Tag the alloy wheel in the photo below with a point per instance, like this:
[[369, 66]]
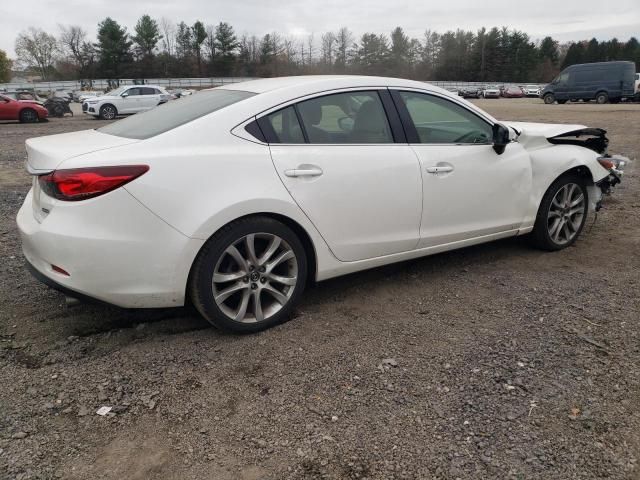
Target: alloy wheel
[[108, 113], [255, 277], [566, 213]]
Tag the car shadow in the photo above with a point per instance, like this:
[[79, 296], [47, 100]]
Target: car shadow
[[86, 319]]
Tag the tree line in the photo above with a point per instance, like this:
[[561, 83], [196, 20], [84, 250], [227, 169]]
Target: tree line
[[167, 49]]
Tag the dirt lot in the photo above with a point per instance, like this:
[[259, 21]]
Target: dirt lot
[[497, 361]]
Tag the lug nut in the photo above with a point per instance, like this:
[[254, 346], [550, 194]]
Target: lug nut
[[263, 280], [262, 269], [245, 279], [254, 286], [251, 268]]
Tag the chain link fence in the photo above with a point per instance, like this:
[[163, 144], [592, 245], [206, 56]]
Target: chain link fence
[[106, 84]]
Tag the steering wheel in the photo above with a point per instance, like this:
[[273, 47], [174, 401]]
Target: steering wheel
[[473, 134]]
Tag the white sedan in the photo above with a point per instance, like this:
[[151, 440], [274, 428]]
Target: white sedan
[[235, 198]]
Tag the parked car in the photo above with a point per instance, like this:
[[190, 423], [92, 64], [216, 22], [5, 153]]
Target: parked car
[[218, 199], [512, 92], [57, 107], [470, 92], [602, 81], [531, 91], [25, 95], [125, 101], [25, 111], [82, 95], [491, 92], [61, 93]]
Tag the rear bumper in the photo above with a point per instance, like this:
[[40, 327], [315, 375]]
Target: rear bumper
[[115, 250]]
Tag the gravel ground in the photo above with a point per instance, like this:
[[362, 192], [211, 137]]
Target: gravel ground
[[496, 361]]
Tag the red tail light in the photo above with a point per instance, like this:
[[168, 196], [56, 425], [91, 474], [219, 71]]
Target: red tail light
[[82, 183]]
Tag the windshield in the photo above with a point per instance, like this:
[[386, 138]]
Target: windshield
[[173, 114], [117, 91]]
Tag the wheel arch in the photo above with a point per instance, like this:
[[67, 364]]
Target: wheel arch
[[307, 243], [26, 108], [108, 104], [581, 171]]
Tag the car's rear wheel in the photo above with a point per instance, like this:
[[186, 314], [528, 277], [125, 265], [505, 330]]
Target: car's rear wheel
[[108, 112], [549, 98], [28, 115], [602, 98], [249, 275], [562, 214]]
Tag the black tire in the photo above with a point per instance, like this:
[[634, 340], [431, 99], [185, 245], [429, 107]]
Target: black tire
[[561, 102], [541, 236], [108, 112], [602, 98], [28, 115], [201, 283], [58, 111], [549, 98]]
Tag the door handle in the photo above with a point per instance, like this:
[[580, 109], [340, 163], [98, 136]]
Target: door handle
[[441, 169], [303, 172]]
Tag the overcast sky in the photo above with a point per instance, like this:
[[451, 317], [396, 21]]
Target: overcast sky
[[563, 20]]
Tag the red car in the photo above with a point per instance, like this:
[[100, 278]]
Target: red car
[[23, 110], [512, 92]]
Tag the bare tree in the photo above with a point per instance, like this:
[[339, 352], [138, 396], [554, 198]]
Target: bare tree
[[310, 48], [210, 43], [71, 39], [36, 48], [327, 46], [168, 29], [344, 47]]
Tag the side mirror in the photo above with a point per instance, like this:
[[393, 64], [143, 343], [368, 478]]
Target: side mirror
[[125, 95], [500, 138]]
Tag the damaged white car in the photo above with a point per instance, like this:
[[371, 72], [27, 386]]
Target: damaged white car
[[235, 198]]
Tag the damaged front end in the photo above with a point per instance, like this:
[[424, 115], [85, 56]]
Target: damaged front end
[[615, 165], [592, 138], [595, 139]]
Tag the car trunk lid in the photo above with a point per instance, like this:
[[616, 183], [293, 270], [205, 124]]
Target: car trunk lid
[[45, 154]]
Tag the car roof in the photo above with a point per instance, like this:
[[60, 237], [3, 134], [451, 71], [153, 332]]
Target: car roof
[[273, 92], [317, 83]]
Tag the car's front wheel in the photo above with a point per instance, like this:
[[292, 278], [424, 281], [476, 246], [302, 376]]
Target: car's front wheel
[[562, 214], [549, 98], [108, 112], [28, 115], [249, 275], [602, 98]]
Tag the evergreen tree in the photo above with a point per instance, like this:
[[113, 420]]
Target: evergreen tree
[[113, 47], [226, 45], [575, 54], [199, 35], [147, 35]]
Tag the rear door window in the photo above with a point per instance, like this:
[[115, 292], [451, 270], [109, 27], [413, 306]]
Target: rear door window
[[345, 118]]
